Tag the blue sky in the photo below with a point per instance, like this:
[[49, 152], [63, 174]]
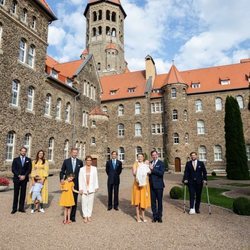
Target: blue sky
[[193, 33]]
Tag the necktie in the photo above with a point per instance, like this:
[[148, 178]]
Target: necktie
[[22, 159], [194, 165], [114, 163], [74, 164]]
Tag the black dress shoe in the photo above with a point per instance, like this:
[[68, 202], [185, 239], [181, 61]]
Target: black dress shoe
[[109, 208], [160, 220], [13, 211], [197, 211], [116, 208], [154, 220], [22, 211]]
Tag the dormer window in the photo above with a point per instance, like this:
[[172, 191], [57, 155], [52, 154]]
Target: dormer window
[[156, 91], [131, 90], [113, 92], [195, 85], [54, 73], [225, 81], [69, 82], [248, 78]]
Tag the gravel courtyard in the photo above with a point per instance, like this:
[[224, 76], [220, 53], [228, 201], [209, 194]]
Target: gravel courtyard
[[118, 229]]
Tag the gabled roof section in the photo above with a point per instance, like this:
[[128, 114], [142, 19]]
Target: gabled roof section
[[97, 111], [174, 76], [121, 83], [47, 9]]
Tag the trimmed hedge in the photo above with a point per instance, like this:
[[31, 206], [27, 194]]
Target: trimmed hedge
[[241, 206], [176, 192], [213, 173]]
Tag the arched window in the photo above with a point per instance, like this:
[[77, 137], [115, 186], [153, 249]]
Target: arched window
[[31, 56], [93, 141], [200, 127], [153, 129], [185, 114], [84, 150], [121, 130], [137, 108], [15, 93], [33, 24], [186, 138], [121, 154], [27, 143], [88, 89], [94, 32], [202, 152], [10, 145], [22, 50], [1, 34], [248, 151], [175, 115], [94, 16], [217, 153], [51, 149], [138, 150], [105, 109], [58, 108], [85, 87], [67, 112], [108, 154], [14, 7], [66, 149], [30, 102], [173, 93], [218, 104], [198, 105], [2, 2], [23, 16], [113, 32], [100, 15], [240, 101], [48, 104], [108, 15], [138, 129], [113, 17], [176, 139], [120, 110], [93, 123], [108, 32], [99, 30]]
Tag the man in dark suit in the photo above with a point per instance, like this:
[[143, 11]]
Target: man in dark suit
[[195, 175], [21, 168], [72, 165], [156, 186], [113, 170]]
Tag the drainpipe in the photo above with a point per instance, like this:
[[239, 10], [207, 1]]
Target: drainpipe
[[74, 119]]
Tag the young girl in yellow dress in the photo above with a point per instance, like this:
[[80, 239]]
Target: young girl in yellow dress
[[67, 198]]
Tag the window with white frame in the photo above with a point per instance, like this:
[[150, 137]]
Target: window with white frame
[[84, 150], [217, 153], [1, 34], [66, 149], [156, 107], [31, 56], [157, 129], [202, 152], [185, 114], [138, 150], [200, 127], [33, 23], [67, 112], [176, 138], [240, 101], [198, 105], [138, 129], [85, 119], [105, 109], [218, 104], [48, 104], [58, 108], [108, 154], [91, 91], [94, 93], [186, 138], [248, 151], [93, 141], [137, 108], [93, 124], [14, 7], [22, 50], [173, 93], [224, 81], [85, 87], [80, 150], [51, 149], [24, 15], [121, 154], [175, 115], [77, 145], [54, 73], [30, 102], [160, 152], [27, 143], [121, 130], [10, 145], [15, 93], [120, 110], [88, 90]]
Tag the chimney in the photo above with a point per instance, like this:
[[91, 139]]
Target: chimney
[[150, 68]]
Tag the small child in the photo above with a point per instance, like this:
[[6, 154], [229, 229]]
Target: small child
[[67, 197], [36, 194], [142, 173]]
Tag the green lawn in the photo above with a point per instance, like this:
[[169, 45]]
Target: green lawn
[[211, 178]]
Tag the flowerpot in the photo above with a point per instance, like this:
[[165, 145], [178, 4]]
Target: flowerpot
[[3, 188]]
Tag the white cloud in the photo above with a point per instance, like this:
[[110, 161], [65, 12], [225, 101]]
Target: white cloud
[[56, 36]]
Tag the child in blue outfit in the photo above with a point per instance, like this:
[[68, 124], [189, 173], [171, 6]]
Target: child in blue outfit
[[36, 194]]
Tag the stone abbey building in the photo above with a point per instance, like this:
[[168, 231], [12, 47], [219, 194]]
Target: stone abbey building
[[98, 105]]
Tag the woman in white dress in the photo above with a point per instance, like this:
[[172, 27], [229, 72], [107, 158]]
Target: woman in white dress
[[88, 185]]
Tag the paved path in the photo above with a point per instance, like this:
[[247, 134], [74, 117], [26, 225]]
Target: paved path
[[119, 230]]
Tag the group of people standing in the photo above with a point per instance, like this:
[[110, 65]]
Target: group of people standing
[[78, 178]]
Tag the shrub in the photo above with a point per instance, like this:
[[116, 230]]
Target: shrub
[[213, 173], [241, 206], [4, 181], [175, 192]]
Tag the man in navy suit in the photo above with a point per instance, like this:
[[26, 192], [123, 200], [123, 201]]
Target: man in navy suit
[[113, 170], [21, 168], [195, 175], [72, 165], [156, 186]]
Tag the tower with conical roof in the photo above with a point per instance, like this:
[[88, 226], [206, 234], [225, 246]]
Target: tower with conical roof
[[105, 35]]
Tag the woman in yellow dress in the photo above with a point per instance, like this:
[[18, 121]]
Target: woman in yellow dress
[[141, 189], [40, 167]]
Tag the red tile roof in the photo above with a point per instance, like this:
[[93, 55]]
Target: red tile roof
[[121, 83], [47, 8], [97, 111], [111, 46], [174, 76], [114, 1]]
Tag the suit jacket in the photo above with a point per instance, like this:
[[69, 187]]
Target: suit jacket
[[197, 175], [156, 177], [113, 174], [18, 169], [67, 169], [93, 180]]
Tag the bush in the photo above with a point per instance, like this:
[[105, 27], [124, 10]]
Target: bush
[[213, 173], [241, 206], [175, 192], [4, 181]]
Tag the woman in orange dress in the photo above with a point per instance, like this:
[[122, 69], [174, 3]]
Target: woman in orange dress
[[141, 190]]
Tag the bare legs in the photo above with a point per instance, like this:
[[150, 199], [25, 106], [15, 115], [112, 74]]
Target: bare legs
[[138, 210], [67, 211]]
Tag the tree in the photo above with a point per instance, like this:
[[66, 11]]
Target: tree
[[237, 168]]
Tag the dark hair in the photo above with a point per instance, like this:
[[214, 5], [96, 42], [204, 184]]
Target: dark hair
[[141, 154], [153, 151], [88, 157], [36, 178], [70, 175], [72, 149], [113, 152], [37, 157], [23, 148], [193, 153]]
